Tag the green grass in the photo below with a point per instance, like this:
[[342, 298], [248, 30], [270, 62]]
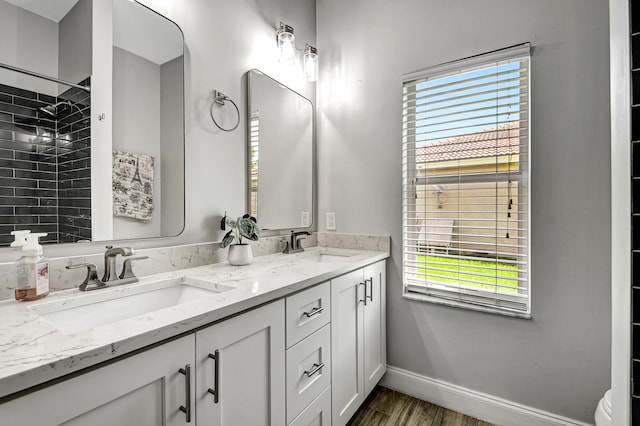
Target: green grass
[[456, 269]]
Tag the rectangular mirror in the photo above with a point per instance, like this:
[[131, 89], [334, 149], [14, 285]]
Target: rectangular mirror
[[48, 175], [281, 154]]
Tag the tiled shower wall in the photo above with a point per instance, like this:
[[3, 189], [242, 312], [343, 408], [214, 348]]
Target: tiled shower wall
[[39, 153]]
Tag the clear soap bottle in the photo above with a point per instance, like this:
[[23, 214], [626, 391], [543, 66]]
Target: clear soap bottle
[[32, 271]]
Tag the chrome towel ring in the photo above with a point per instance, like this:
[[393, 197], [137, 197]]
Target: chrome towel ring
[[220, 98]]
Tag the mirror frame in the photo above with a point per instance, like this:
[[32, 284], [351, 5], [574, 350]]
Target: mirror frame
[[312, 224]]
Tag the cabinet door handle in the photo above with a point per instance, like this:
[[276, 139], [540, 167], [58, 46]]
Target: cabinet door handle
[[370, 280], [313, 312], [187, 391], [215, 391], [315, 368], [365, 293]]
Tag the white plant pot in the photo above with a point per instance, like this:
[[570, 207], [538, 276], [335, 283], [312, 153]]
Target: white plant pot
[[240, 254]]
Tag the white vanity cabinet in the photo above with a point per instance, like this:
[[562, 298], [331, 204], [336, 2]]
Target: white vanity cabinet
[[240, 367], [170, 383], [149, 388], [358, 338]]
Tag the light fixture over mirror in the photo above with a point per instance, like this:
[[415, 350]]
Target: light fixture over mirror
[[287, 52], [286, 44]]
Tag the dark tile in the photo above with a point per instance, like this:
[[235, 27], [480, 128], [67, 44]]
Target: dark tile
[[6, 210], [635, 232], [34, 174], [635, 16], [6, 172], [635, 197], [47, 184], [16, 91], [32, 192], [48, 202], [18, 201], [19, 219], [6, 99], [16, 164], [18, 183], [48, 228], [17, 110], [35, 210], [29, 103], [635, 344], [48, 99], [635, 374], [7, 192]]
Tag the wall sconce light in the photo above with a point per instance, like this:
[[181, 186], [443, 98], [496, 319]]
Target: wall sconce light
[[286, 44], [310, 62], [287, 49]]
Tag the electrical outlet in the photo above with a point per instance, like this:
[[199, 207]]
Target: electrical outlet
[[305, 219], [331, 221]]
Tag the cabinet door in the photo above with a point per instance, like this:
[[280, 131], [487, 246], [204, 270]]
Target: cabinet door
[[347, 339], [249, 378], [375, 337], [144, 389]]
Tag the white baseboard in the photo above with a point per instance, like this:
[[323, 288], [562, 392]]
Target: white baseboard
[[475, 404]]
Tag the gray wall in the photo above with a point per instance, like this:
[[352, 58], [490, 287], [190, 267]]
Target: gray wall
[[28, 41], [74, 35], [559, 360], [172, 146]]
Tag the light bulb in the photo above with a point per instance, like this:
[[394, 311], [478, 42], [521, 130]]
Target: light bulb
[[310, 63], [286, 44]]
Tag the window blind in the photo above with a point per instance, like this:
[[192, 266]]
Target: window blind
[[254, 158], [465, 156]]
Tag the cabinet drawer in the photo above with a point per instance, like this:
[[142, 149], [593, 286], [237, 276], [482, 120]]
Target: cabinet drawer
[[318, 413], [308, 370], [307, 312]]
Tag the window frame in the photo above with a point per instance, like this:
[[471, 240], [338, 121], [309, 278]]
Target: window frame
[[468, 297]]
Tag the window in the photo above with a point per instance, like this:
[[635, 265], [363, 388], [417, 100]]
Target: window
[[465, 154]]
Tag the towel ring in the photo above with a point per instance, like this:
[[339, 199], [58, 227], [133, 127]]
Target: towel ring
[[220, 98]]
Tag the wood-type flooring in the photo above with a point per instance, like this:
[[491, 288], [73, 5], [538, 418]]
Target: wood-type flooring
[[386, 407]]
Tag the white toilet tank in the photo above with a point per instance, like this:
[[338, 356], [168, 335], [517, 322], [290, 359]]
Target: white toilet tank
[[603, 411]]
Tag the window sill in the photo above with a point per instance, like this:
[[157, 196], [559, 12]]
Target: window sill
[[469, 306]]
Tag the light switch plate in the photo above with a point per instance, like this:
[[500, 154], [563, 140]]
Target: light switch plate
[[305, 219], [331, 221]]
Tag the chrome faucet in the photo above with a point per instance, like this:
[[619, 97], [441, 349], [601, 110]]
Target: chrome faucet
[[293, 245], [110, 255], [110, 277]]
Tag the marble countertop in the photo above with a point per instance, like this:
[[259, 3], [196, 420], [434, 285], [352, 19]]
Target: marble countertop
[[33, 351]]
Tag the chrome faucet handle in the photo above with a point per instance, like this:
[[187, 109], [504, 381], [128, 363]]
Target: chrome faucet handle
[[110, 255], [90, 279], [127, 271]]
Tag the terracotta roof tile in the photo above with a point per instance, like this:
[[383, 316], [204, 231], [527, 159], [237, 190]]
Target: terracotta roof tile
[[501, 140]]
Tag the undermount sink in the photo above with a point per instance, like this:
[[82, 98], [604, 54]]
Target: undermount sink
[[105, 306], [329, 256]]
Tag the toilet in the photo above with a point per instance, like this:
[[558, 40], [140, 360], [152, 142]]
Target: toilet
[[603, 411]]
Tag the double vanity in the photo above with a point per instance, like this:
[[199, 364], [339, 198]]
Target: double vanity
[[289, 340]]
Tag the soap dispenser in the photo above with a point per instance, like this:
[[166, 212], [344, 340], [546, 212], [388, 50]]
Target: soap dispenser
[[32, 270]]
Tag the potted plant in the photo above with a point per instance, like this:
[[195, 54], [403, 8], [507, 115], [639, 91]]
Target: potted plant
[[243, 227]]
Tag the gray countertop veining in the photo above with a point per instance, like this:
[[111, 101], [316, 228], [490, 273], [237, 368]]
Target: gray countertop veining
[[33, 351]]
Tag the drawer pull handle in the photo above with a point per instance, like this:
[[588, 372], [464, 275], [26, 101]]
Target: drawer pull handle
[[187, 390], [370, 280], [313, 312], [216, 390], [315, 369], [365, 293]]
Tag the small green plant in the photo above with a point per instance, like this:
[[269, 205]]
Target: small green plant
[[242, 227]]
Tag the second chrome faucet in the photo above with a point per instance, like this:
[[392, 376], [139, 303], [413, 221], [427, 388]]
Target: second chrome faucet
[[294, 246], [110, 277]]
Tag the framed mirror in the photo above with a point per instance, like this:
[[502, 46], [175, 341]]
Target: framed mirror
[[58, 172], [280, 153]]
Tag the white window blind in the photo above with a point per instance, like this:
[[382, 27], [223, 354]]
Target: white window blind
[[254, 160], [465, 154]]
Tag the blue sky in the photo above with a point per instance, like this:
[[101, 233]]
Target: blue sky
[[488, 91]]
